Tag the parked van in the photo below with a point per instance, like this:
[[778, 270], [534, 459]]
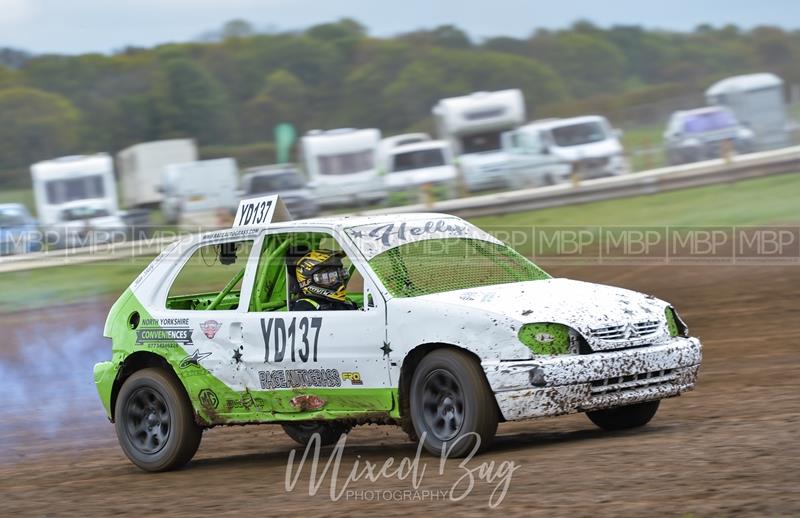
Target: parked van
[[413, 160], [588, 142], [199, 191], [341, 166]]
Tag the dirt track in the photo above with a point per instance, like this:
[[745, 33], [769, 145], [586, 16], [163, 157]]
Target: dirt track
[[730, 446]]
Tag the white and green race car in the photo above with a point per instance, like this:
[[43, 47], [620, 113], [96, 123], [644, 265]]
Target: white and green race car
[[451, 332]]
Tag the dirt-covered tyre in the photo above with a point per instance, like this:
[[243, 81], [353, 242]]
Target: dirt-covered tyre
[[329, 432], [624, 417], [452, 404], [155, 422]]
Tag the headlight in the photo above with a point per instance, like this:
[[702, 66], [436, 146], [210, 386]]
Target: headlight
[[550, 339], [675, 325]]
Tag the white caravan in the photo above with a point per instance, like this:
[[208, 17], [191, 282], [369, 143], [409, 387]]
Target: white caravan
[[758, 102], [76, 198], [140, 168], [199, 192], [341, 165], [589, 142], [412, 160], [473, 125]]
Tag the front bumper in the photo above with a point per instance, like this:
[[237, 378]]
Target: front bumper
[[555, 385]]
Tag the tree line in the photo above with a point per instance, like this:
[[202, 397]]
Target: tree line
[[230, 89]]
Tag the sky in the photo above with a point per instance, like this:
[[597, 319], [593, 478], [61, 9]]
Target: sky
[[79, 26]]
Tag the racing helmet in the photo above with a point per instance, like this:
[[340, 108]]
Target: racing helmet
[[320, 273]]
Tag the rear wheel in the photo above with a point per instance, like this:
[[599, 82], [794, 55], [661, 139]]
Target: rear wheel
[[329, 432], [624, 417], [155, 422], [452, 404]]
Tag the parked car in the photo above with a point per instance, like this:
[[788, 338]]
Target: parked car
[[441, 329], [18, 230], [284, 180], [702, 134]]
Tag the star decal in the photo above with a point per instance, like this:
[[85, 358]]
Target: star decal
[[237, 355], [194, 358], [386, 349]]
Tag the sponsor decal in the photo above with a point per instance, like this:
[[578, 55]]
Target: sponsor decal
[[372, 240], [210, 328], [208, 399], [164, 332], [544, 338], [299, 378], [306, 402], [353, 377], [194, 359], [247, 402]]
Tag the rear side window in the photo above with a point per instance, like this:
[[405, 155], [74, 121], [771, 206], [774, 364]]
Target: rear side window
[[212, 278]]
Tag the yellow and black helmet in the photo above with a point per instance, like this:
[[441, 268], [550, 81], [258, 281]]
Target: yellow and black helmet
[[320, 273]]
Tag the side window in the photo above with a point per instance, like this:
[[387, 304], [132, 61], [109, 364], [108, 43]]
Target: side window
[[277, 287], [212, 278]]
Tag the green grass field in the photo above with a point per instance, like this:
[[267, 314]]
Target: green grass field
[[765, 201]]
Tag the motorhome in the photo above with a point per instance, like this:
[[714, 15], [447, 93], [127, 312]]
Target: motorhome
[[140, 168], [759, 104], [413, 160], [199, 192], [588, 142], [341, 166], [76, 198], [474, 123]]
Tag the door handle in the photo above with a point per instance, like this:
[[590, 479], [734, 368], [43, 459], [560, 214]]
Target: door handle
[[235, 333]]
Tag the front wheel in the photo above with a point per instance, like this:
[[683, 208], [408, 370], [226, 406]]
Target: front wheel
[[155, 422], [624, 417], [329, 432], [451, 404]]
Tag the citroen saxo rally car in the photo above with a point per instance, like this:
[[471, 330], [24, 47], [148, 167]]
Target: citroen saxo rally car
[[450, 331]]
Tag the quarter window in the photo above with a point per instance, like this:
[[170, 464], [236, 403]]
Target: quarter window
[[212, 278]]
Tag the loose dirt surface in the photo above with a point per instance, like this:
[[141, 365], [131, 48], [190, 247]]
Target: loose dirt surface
[[730, 447]]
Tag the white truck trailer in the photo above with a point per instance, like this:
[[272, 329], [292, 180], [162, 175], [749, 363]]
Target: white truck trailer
[[759, 103], [140, 168]]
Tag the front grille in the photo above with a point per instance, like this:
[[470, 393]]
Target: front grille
[[594, 163], [632, 381], [626, 331]]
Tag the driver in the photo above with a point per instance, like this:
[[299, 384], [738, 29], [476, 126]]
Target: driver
[[322, 278]]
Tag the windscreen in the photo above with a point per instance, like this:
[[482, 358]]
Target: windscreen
[[481, 142], [72, 189], [346, 163], [439, 265], [78, 213], [275, 183], [419, 159], [12, 218], [578, 134], [708, 121]]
